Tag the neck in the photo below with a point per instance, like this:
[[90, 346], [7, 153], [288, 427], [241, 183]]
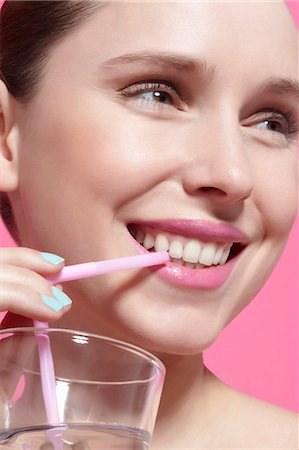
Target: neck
[[183, 374], [185, 381]]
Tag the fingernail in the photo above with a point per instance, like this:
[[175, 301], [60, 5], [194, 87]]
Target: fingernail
[[52, 258], [52, 302], [61, 296]]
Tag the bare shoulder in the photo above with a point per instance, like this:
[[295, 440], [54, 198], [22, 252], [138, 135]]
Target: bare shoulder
[[265, 426], [281, 424], [253, 424]]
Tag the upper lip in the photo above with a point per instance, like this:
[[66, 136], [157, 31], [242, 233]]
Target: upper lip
[[203, 230]]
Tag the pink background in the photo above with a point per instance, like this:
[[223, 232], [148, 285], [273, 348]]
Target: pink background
[[258, 352]]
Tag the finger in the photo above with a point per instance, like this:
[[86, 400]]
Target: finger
[[41, 262], [11, 320], [25, 277], [24, 301]]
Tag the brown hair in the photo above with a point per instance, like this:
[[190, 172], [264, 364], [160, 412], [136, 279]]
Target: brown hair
[[29, 30]]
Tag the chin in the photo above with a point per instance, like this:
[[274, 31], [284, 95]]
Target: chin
[[160, 337], [184, 347]]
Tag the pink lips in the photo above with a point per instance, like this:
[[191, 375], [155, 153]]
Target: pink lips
[[206, 278], [200, 229]]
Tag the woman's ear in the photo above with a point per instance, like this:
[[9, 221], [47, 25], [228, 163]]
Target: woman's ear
[[8, 142]]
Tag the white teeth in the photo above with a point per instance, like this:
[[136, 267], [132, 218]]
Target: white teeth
[[218, 255], [148, 241], [207, 254], [191, 251], [161, 243], [176, 249], [140, 236], [193, 254], [225, 256]]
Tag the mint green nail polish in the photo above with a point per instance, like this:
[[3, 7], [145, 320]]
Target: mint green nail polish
[[52, 303], [51, 258], [61, 296]]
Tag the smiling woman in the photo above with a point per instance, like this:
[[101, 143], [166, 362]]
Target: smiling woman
[[153, 126]]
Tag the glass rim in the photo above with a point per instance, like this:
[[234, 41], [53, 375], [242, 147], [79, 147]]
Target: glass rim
[[126, 345]]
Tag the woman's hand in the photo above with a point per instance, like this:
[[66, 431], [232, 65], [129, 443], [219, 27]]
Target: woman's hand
[[24, 290]]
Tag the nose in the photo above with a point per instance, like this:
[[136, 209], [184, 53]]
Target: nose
[[217, 166]]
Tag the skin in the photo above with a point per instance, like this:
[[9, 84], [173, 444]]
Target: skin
[[82, 160]]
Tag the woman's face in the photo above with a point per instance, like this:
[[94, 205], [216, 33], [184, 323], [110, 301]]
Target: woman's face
[[131, 126]]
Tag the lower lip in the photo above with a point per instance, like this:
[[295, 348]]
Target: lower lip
[[207, 278]]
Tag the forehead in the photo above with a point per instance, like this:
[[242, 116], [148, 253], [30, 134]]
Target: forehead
[[243, 38], [176, 20]]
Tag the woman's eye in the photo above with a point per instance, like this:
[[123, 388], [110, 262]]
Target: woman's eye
[[156, 96], [153, 95], [270, 125], [277, 122]]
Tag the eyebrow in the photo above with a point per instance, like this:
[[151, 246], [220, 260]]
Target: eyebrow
[[178, 62], [280, 86], [272, 85]]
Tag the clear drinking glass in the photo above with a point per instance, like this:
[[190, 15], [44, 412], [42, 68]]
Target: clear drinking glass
[[107, 392]]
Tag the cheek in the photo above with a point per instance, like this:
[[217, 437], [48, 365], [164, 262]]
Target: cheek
[[276, 191], [82, 160], [111, 157]]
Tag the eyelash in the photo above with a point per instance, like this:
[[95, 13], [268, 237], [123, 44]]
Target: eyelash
[[290, 128], [176, 96], [178, 100]]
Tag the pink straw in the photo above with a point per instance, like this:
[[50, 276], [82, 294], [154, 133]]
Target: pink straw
[[91, 269], [69, 273]]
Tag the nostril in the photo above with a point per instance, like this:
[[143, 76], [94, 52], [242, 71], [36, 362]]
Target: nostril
[[212, 189]]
